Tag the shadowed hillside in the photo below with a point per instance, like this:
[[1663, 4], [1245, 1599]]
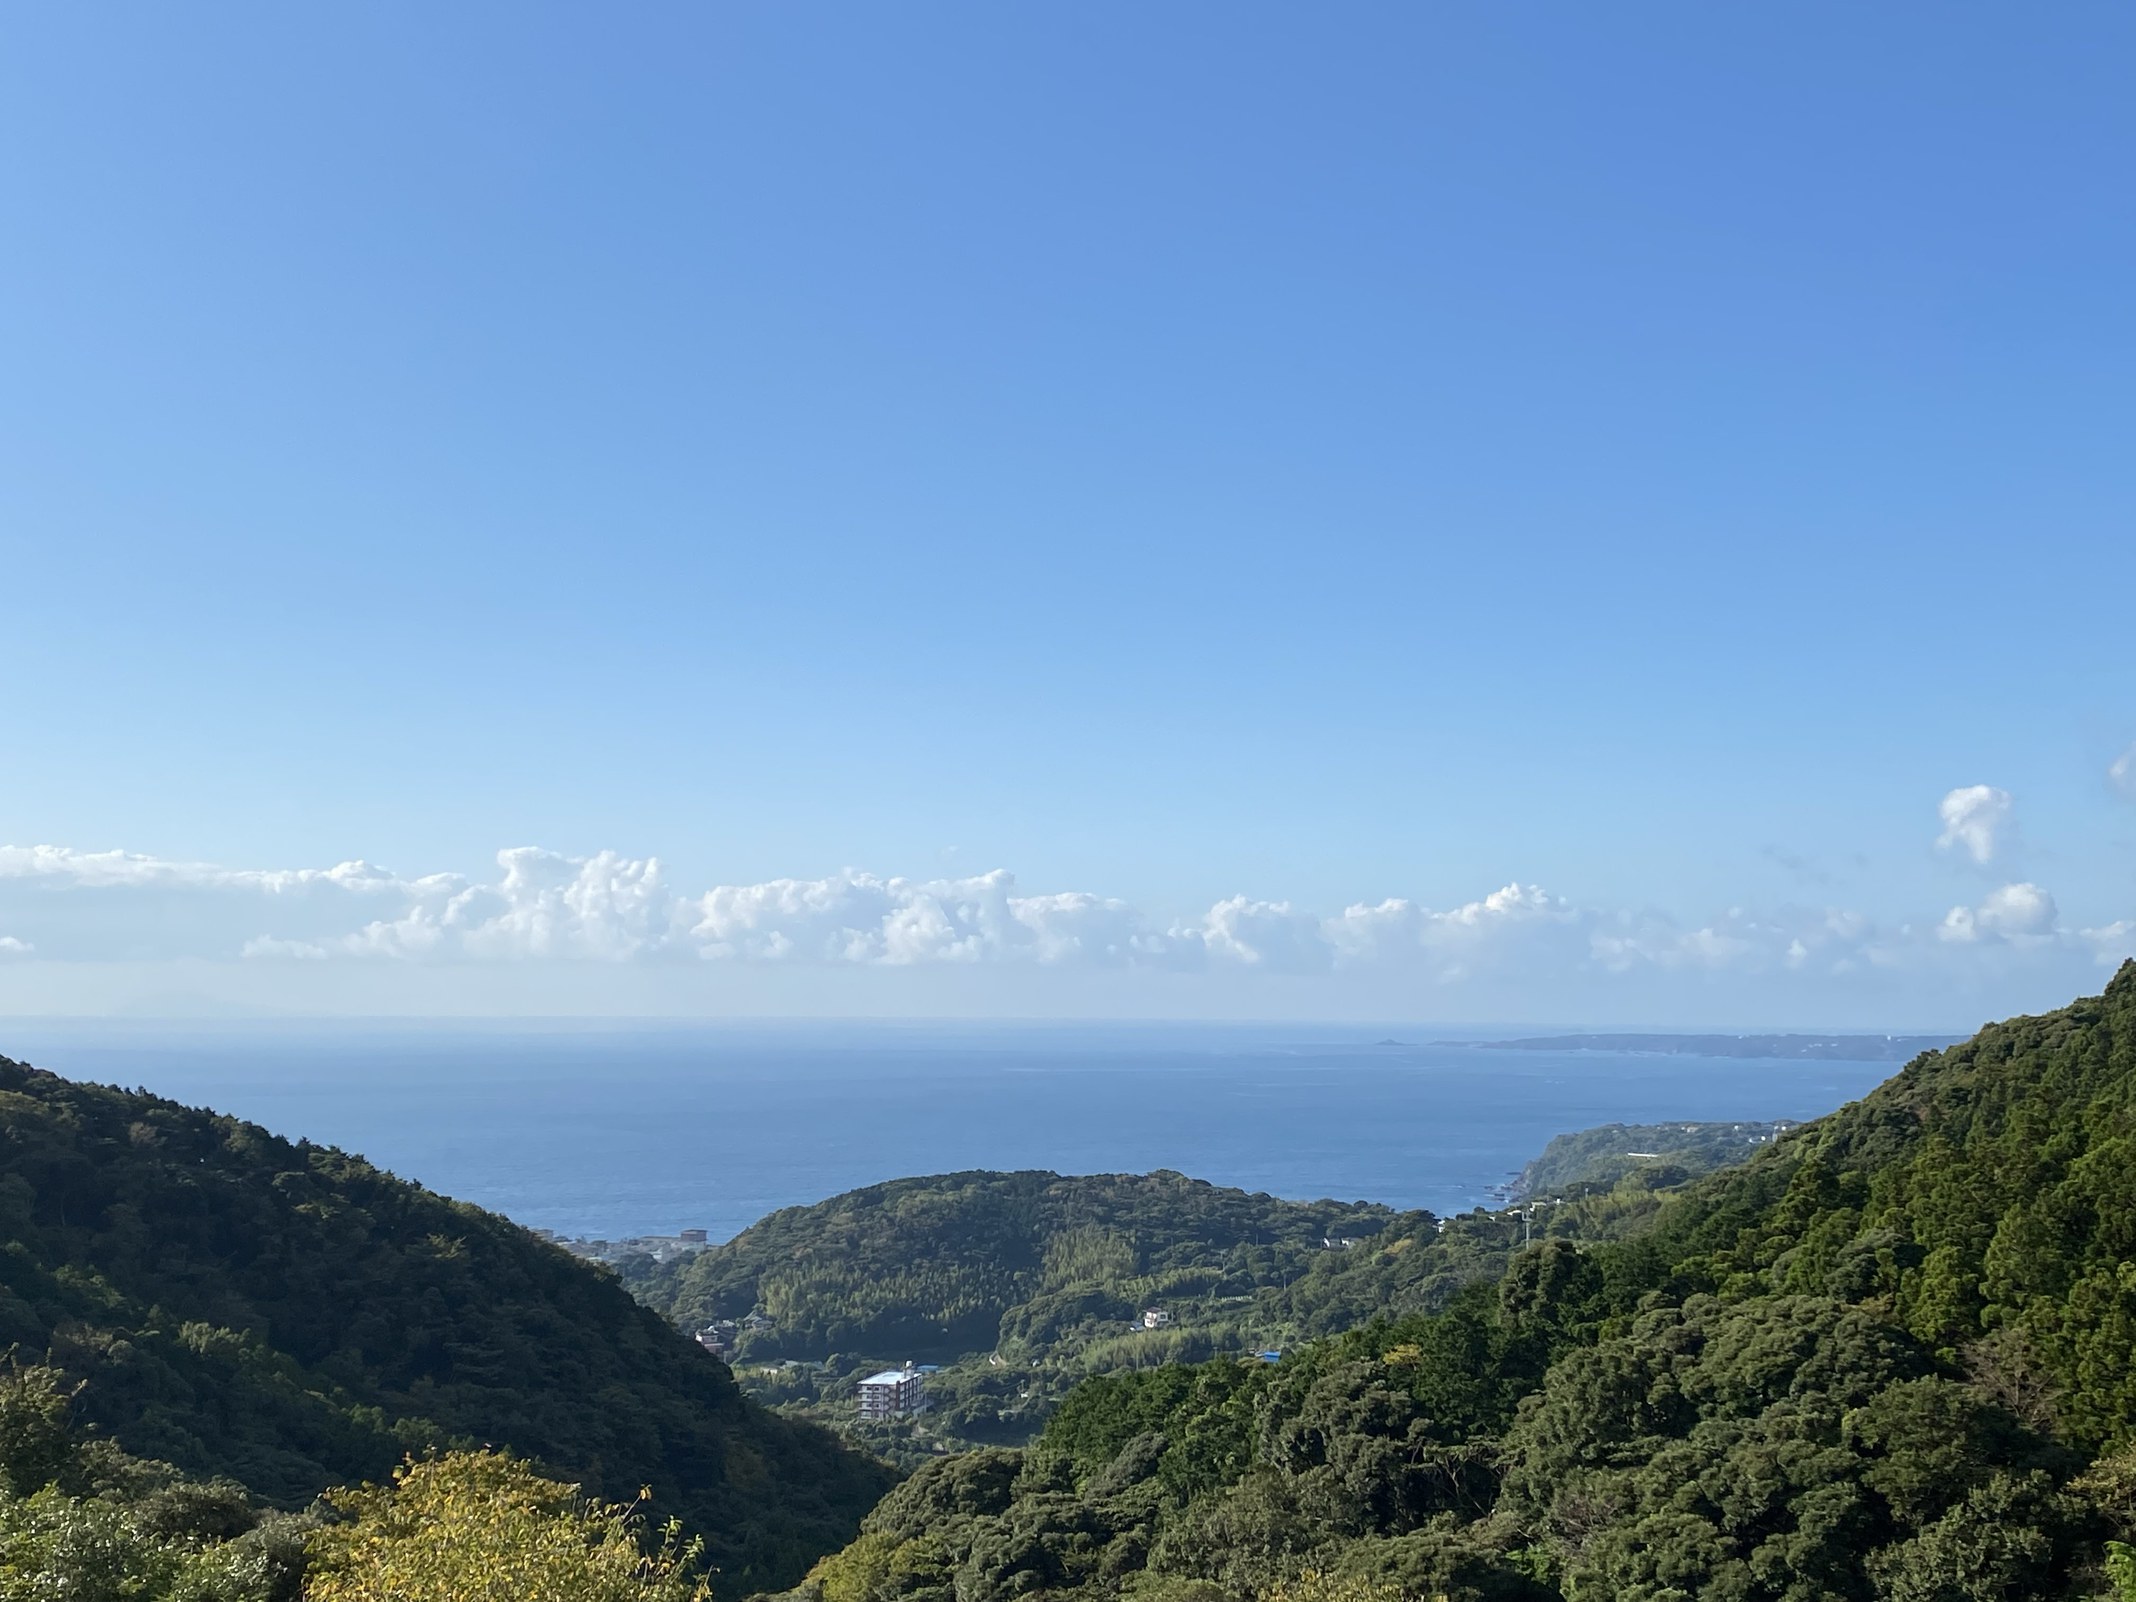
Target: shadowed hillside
[[290, 1316]]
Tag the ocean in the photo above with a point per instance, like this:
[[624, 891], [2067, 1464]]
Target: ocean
[[616, 1131]]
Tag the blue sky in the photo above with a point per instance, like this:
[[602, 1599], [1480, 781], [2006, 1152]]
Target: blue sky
[[1173, 455]]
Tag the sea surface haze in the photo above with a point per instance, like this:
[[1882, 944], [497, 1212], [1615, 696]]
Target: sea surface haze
[[618, 1131]]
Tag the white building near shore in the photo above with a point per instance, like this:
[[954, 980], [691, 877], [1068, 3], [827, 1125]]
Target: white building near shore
[[894, 1393]]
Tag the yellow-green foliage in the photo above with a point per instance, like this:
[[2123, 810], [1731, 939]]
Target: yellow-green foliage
[[482, 1527], [880, 1564], [854, 1574], [1087, 1255]]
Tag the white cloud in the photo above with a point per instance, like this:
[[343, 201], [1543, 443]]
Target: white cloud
[[2112, 945], [1514, 926], [126, 870], [1976, 820], [2020, 914], [606, 907], [2122, 774], [1522, 928], [295, 950], [1261, 934], [1790, 939], [542, 907], [1078, 927], [860, 918]]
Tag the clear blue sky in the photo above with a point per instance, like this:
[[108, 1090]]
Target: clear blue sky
[[1171, 453]]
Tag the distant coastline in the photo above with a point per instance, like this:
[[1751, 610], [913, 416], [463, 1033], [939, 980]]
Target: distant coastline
[[1802, 1048]]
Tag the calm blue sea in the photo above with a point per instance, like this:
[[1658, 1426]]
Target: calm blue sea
[[623, 1131]]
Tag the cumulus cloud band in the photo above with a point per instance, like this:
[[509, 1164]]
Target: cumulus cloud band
[[59, 904]]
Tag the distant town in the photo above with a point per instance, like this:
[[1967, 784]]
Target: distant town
[[660, 1248]]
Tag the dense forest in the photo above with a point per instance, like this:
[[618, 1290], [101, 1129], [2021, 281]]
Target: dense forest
[[1888, 1358], [1016, 1286], [285, 1317]]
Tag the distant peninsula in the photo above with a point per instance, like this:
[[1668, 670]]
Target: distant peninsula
[[1661, 1154], [1809, 1048]]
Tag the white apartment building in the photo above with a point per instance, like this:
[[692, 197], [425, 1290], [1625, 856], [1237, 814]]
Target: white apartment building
[[893, 1393]]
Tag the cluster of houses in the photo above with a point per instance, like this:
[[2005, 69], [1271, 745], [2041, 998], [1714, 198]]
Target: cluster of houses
[[719, 1336]]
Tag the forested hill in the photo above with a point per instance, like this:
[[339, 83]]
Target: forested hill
[[1890, 1359], [936, 1267], [1985, 1191], [1018, 1285], [289, 1316], [1021, 1284]]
